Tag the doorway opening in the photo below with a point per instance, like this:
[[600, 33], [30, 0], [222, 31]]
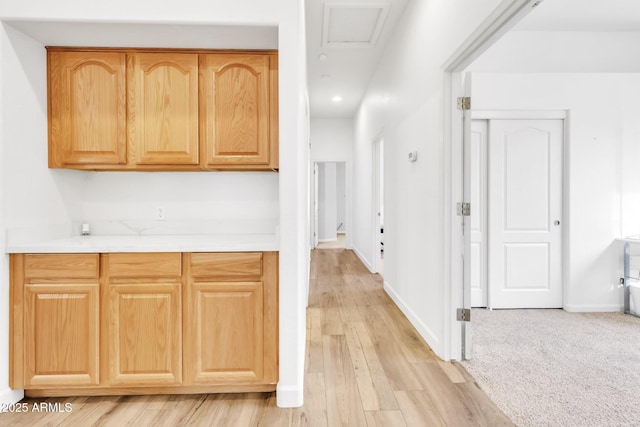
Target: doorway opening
[[330, 207]]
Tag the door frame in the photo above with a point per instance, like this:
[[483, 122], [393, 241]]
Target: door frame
[[315, 203], [503, 18], [377, 201]]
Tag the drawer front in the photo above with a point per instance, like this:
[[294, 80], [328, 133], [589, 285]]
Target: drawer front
[[241, 265], [61, 266], [144, 265]]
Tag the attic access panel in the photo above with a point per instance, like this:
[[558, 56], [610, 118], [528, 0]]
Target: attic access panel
[[353, 25]]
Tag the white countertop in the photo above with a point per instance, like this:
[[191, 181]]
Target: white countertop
[[152, 243]]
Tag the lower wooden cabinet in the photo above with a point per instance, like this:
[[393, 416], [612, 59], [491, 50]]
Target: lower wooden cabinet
[[61, 335], [85, 324], [231, 332]]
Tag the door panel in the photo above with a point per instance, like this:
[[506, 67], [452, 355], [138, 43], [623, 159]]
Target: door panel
[[479, 129], [525, 201], [163, 108]]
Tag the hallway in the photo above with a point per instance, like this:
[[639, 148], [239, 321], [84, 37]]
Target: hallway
[[369, 362], [365, 366]]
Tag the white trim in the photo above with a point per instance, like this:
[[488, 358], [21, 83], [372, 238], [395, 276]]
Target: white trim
[[421, 327], [8, 396], [364, 260], [507, 14], [503, 18], [519, 114], [593, 308], [333, 239], [288, 396]]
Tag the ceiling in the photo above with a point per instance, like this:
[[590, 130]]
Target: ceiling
[[583, 15], [347, 69], [345, 41]]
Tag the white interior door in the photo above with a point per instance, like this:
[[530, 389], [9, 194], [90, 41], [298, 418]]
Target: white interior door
[[525, 213], [478, 147]]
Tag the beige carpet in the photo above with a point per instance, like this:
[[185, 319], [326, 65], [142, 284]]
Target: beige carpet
[[554, 368]]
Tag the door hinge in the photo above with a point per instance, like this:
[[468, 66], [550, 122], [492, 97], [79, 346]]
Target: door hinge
[[464, 103], [464, 209], [463, 315]]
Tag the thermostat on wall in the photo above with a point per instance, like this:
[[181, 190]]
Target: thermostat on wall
[[413, 156]]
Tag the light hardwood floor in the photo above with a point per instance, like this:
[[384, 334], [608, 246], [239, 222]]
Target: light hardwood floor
[[365, 366]]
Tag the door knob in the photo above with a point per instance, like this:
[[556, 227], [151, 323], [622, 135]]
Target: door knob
[[556, 222]]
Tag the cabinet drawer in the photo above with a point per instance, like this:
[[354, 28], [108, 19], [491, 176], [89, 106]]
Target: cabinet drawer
[[67, 266], [242, 265], [145, 265]]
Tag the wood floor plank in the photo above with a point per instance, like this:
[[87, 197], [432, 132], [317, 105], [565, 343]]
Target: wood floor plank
[[385, 419], [344, 405], [453, 372], [314, 411], [398, 369], [368, 395], [418, 409], [384, 391], [314, 360], [484, 412]]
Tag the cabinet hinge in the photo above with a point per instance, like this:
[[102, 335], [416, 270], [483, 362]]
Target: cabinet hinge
[[463, 209], [463, 314], [464, 103]]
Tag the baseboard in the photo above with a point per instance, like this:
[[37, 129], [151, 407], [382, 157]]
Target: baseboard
[[364, 260], [8, 396], [333, 239], [289, 396], [424, 331], [593, 308]]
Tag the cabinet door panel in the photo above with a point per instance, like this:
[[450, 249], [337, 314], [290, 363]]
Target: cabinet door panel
[[225, 333], [61, 335], [145, 334], [235, 96], [87, 108], [163, 108]]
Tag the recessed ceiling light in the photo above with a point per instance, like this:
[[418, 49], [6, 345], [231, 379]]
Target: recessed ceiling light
[[337, 98]]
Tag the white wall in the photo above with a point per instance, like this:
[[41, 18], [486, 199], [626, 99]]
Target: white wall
[[34, 196], [327, 202], [404, 104], [560, 51], [603, 179]]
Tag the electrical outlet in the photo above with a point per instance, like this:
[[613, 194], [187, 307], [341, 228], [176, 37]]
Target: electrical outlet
[[160, 214]]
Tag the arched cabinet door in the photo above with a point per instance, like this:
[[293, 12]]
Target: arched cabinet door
[[87, 108], [163, 108], [237, 114]]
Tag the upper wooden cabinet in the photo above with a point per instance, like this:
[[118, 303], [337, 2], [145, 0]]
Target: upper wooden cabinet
[[236, 109], [87, 109], [135, 109], [163, 108]]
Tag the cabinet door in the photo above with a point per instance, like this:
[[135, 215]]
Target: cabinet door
[[87, 108], [163, 108], [145, 334], [62, 338], [224, 337], [235, 96]]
